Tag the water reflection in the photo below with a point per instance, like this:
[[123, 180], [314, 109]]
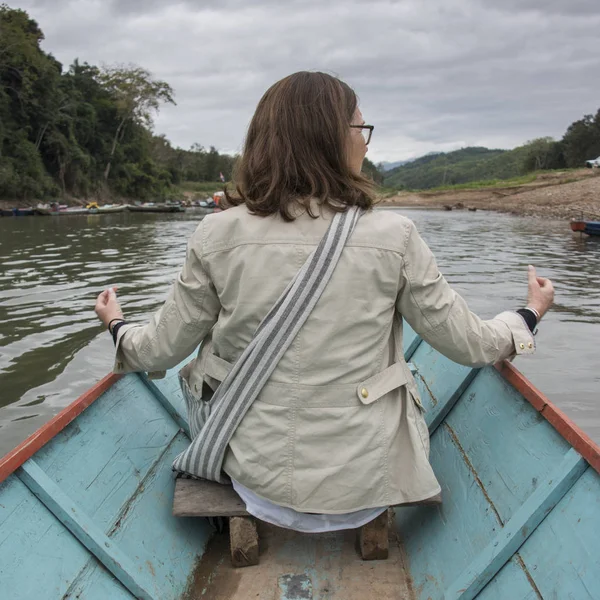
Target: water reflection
[[52, 348]]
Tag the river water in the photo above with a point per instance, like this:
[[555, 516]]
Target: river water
[[52, 347]]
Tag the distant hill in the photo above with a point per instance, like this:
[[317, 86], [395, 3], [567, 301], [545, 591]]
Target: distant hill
[[461, 166], [388, 166]]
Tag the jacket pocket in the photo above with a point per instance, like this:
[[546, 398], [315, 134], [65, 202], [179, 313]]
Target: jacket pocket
[[198, 408], [379, 385]]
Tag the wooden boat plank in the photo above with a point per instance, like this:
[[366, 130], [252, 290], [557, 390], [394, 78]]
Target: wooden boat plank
[[510, 447], [14, 459], [512, 581], [170, 401], [440, 381], [39, 557], [195, 498], [462, 525], [86, 531], [121, 475], [563, 553], [329, 560], [101, 459], [163, 547], [520, 526], [567, 429]]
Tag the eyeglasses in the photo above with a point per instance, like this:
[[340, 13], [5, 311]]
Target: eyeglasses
[[366, 130]]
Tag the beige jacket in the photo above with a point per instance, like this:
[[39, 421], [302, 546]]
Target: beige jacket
[[314, 440]]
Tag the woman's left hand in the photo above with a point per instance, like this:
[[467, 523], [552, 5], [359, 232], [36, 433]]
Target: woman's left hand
[[107, 306]]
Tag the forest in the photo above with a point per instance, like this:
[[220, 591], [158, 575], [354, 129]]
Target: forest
[[580, 142], [87, 132]]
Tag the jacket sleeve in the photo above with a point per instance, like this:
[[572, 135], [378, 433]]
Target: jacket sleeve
[[443, 319], [179, 326]]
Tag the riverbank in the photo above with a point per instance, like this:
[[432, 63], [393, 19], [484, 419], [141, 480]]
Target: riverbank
[[556, 195]]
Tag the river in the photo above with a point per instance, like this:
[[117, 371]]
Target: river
[[52, 347]]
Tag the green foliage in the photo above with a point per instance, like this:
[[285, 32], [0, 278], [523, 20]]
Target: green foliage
[[461, 166], [85, 131], [483, 167], [581, 142], [370, 170]]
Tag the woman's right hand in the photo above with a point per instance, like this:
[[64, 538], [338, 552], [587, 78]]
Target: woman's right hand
[[540, 294]]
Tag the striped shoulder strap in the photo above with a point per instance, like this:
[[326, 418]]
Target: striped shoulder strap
[[234, 396]]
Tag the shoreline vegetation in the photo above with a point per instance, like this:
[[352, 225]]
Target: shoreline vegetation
[[562, 194], [85, 134]]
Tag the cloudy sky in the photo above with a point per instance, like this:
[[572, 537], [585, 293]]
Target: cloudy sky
[[432, 75]]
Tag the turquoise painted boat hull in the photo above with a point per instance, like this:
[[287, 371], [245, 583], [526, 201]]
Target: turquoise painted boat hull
[[85, 504]]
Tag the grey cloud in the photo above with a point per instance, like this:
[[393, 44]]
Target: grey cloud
[[428, 76]]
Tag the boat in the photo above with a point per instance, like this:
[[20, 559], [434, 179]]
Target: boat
[[74, 210], [86, 504], [95, 209], [156, 208], [205, 207], [54, 208], [17, 212], [112, 208], [589, 227]]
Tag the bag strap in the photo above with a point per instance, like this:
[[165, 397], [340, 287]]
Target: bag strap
[[232, 399]]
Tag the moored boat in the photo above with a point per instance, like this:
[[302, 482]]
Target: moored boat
[[96, 209], [155, 208], [86, 504], [74, 210], [17, 212], [112, 208], [588, 227]]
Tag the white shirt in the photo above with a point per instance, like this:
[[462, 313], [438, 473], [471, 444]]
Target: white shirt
[[282, 516]]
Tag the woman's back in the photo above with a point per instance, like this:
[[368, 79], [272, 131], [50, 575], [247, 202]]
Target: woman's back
[[252, 259]]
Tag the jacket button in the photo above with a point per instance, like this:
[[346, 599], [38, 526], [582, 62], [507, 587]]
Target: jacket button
[[530, 345], [522, 346], [364, 393]]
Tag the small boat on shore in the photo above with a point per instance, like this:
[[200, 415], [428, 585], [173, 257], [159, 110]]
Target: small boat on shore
[[86, 504], [155, 208], [17, 212], [588, 227], [96, 209], [74, 210]]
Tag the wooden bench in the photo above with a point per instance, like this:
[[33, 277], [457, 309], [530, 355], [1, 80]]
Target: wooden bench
[[194, 498]]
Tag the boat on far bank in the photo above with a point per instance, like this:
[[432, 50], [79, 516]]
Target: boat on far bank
[[95, 209], [17, 212], [588, 227], [156, 208]]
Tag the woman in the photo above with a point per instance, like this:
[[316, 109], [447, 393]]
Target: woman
[[336, 435]]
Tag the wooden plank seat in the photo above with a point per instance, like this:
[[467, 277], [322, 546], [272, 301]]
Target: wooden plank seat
[[201, 498]]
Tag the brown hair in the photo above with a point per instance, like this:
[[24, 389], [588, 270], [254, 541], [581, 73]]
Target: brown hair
[[296, 149]]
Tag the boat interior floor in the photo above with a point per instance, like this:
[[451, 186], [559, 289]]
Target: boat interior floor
[[297, 566]]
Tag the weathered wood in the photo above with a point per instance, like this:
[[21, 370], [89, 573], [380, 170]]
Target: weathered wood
[[243, 540], [511, 537], [295, 587], [166, 402], [194, 498], [83, 527], [25, 450], [373, 538]]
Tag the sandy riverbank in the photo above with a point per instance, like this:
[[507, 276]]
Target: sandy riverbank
[[558, 195]]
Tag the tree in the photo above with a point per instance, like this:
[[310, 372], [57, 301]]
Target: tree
[[137, 96], [582, 140], [539, 153], [369, 169]]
